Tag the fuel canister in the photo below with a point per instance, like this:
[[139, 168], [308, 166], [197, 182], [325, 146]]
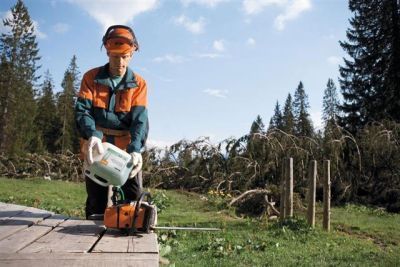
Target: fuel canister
[[111, 167]]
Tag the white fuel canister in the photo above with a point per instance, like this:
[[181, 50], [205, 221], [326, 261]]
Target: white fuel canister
[[111, 167]]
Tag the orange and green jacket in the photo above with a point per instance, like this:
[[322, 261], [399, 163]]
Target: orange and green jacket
[[123, 108]]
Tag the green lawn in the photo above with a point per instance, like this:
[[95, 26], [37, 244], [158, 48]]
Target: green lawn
[[58, 196], [360, 236]]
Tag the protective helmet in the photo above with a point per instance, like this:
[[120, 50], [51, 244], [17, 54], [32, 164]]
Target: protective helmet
[[120, 39]]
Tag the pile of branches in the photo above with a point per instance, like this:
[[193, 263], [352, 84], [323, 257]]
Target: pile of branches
[[49, 166], [364, 168]]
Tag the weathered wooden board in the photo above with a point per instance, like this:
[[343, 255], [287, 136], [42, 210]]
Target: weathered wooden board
[[79, 259], [69, 236], [113, 241], [27, 236], [10, 210], [7, 206], [31, 237], [22, 220]]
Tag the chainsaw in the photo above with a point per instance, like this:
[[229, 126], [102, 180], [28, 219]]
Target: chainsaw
[[134, 217]]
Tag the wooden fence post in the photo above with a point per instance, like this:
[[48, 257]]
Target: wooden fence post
[[282, 206], [327, 195], [312, 179], [289, 187]]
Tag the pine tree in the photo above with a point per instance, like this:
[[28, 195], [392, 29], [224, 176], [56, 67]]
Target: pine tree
[[330, 104], [302, 122], [68, 139], [254, 143], [7, 97], [19, 54], [391, 13], [369, 78], [276, 119], [257, 126], [46, 120], [288, 117]]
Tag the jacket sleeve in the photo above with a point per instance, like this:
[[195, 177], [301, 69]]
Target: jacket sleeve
[[139, 118], [84, 108]]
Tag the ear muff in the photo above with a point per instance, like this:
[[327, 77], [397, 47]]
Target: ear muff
[[133, 41]]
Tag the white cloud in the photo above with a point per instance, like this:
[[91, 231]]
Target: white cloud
[[38, 33], [251, 42], [110, 12], [219, 45], [334, 60], [252, 7], [195, 27], [216, 93], [206, 3], [209, 55], [291, 9], [61, 27], [175, 59]]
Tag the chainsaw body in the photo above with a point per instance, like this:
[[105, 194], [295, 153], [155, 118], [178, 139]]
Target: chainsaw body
[[134, 216], [122, 216]]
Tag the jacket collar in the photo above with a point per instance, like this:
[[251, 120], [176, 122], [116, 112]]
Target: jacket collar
[[128, 81]]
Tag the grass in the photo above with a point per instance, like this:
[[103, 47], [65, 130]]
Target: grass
[[360, 236], [57, 196]]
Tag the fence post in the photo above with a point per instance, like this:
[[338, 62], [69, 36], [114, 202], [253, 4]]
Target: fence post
[[289, 187], [282, 206], [312, 178], [327, 196]]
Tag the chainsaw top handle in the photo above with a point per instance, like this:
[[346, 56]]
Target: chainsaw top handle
[[137, 209]]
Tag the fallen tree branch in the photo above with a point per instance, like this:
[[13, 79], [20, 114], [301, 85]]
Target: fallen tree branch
[[253, 191], [271, 205]]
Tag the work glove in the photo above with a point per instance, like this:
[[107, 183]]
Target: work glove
[[93, 143], [137, 162]]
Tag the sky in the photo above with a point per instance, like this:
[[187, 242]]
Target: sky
[[211, 66]]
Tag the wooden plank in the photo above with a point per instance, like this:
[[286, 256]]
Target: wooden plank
[[27, 236], [114, 241], [9, 210], [7, 206], [79, 259], [69, 236], [23, 220], [144, 243]]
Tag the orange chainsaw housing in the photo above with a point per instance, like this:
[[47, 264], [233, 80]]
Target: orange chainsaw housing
[[121, 216]]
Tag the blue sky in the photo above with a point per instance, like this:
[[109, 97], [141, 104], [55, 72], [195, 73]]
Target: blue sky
[[211, 66]]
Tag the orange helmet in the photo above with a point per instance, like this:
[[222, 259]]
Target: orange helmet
[[120, 39]]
